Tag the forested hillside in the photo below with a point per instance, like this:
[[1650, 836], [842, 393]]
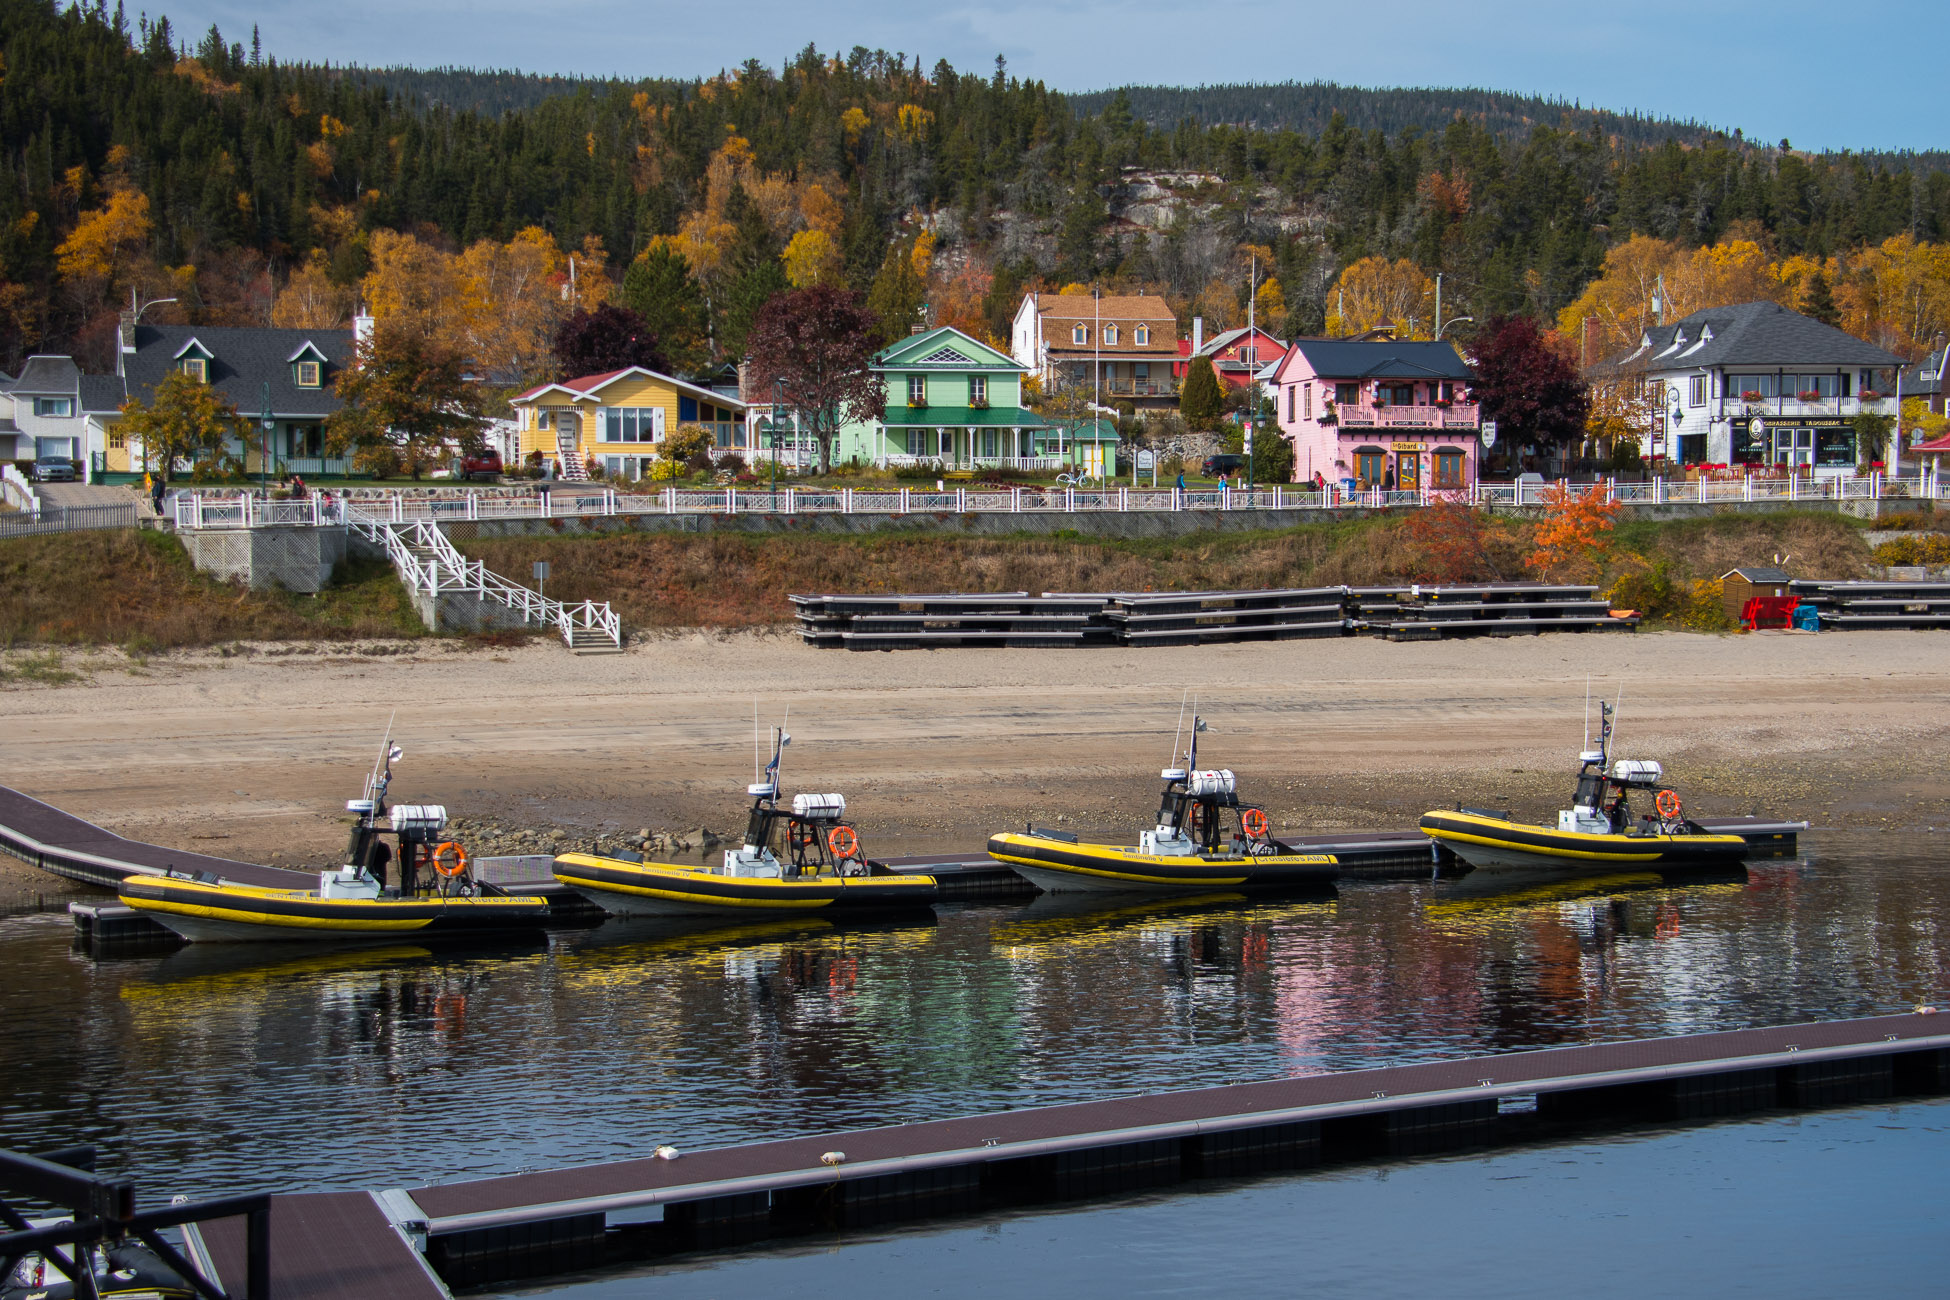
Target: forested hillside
[[253, 190]]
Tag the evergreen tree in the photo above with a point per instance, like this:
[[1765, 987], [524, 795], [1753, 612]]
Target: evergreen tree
[[1200, 401], [898, 294], [1820, 302], [658, 287]]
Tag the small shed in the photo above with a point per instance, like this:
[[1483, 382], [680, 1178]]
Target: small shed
[[1741, 585]]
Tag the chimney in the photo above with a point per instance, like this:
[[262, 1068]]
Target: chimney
[[1198, 334], [362, 325]]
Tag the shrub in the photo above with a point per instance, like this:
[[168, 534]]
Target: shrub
[[1916, 548]]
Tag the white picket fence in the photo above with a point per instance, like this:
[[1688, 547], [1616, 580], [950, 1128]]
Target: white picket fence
[[205, 510]]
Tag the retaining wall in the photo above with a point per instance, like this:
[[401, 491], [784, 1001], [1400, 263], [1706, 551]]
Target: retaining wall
[[296, 558], [1134, 524]]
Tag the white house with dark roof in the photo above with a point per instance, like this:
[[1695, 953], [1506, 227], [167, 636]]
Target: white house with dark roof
[[53, 409], [1755, 384], [280, 380]]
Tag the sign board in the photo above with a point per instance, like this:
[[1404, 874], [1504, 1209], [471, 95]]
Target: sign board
[[1757, 426], [541, 570], [1409, 446], [1147, 459], [1489, 433]]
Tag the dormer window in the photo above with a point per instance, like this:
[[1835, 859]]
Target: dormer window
[[309, 374], [1080, 334], [1141, 335], [197, 368], [1110, 336]]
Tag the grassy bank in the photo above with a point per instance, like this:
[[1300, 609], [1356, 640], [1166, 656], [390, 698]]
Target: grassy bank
[[1668, 570], [138, 590]]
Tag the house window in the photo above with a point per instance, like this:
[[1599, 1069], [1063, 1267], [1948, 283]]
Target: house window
[[1110, 336], [978, 390], [917, 390], [1307, 401], [116, 441], [1696, 390], [1448, 469], [1396, 394], [54, 408], [1347, 394], [308, 374], [918, 441], [632, 424], [197, 368], [1141, 335], [1292, 391], [1080, 334], [1141, 369], [1249, 355]]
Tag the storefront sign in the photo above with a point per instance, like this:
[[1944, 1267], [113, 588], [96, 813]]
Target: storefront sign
[[1410, 446]]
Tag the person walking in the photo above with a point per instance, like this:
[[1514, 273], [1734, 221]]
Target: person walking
[[156, 492], [1181, 480]]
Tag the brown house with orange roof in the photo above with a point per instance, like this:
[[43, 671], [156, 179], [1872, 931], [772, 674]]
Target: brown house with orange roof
[[1121, 344]]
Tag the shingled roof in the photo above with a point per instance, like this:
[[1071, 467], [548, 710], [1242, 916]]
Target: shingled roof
[[242, 362], [1748, 334], [1382, 359]]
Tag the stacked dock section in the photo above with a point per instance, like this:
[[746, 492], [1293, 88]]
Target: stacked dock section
[[1846, 605], [1017, 618]]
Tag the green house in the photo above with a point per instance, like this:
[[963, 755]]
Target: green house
[[956, 403]]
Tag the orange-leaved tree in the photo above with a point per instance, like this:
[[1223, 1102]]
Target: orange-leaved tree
[[1451, 543], [1574, 536]]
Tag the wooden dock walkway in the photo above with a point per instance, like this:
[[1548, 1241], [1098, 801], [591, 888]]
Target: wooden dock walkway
[[387, 1244]]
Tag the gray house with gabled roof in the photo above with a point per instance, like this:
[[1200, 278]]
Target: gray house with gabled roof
[[280, 378], [53, 409], [1755, 384]]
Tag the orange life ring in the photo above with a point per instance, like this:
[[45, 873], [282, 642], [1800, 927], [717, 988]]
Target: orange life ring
[[440, 863], [844, 841], [1253, 822], [1667, 802]]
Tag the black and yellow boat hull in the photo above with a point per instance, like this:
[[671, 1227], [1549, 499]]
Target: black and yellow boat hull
[[625, 888], [1493, 844], [226, 913], [1066, 867]]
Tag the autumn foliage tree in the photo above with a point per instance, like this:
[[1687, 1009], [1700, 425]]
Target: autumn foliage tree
[[1574, 536], [608, 338], [184, 420], [820, 342], [1452, 543], [1532, 393], [407, 404]]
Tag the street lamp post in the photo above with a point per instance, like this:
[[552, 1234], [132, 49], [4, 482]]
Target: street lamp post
[[778, 414], [264, 448]]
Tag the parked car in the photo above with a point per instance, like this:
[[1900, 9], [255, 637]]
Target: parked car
[[1224, 464], [54, 469], [485, 463]]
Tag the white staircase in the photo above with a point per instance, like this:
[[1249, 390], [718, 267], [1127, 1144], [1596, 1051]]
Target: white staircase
[[429, 565], [574, 468]]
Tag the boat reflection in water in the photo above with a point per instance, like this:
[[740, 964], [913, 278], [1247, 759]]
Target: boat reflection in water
[[1486, 892]]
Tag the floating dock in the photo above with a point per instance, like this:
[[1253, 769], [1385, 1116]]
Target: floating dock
[[414, 1243]]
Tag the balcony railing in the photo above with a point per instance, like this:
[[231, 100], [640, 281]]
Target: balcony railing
[[1828, 406], [1141, 387], [1461, 415]]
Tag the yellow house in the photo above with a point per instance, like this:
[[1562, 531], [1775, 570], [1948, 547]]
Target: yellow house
[[619, 420]]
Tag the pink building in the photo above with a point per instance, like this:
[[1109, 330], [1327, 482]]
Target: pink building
[[1380, 412]]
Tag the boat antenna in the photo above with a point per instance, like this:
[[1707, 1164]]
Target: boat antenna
[[1179, 734], [385, 747]]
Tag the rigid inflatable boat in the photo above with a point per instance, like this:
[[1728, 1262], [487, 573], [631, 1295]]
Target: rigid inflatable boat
[[1598, 833], [434, 894], [803, 859], [1204, 839]]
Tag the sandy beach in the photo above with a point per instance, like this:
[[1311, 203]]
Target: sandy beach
[[252, 754]]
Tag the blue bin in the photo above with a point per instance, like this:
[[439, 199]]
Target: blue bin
[[1806, 618]]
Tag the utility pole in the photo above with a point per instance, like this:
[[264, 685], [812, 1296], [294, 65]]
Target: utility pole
[[264, 456]]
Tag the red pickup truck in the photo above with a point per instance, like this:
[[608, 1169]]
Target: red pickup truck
[[485, 463]]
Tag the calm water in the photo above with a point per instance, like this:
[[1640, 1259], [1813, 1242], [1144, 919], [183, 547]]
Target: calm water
[[1833, 1203], [229, 1069]]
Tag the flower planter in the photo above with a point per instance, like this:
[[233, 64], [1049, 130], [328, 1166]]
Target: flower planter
[[1810, 396], [1751, 395], [1869, 395]]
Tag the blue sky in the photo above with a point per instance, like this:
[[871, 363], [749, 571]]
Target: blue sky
[[1855, 75]]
